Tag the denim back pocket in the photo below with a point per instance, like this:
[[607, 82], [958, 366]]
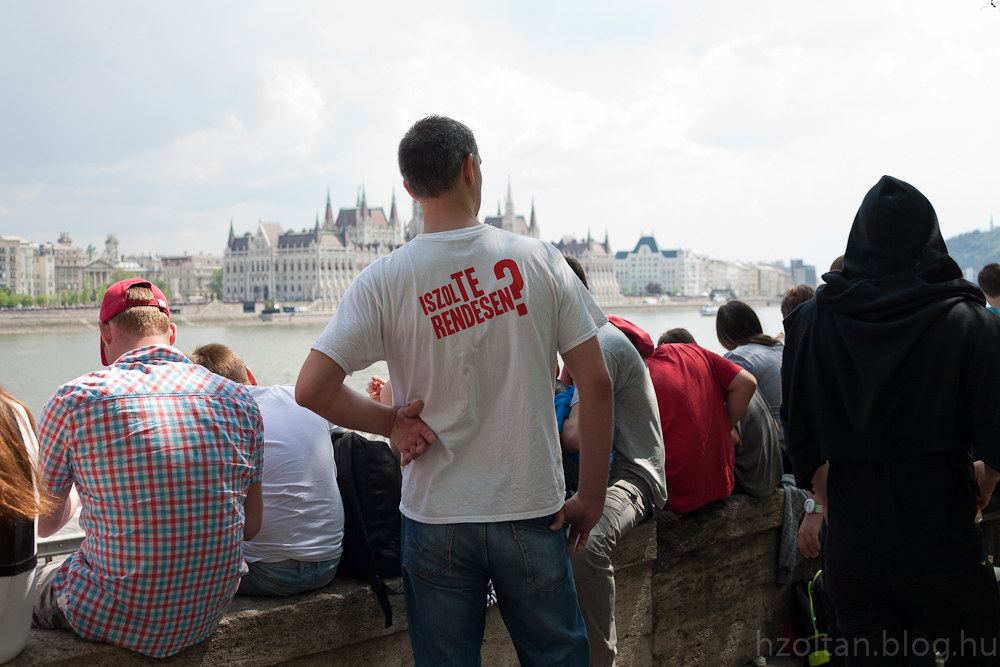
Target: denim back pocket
[[544, 551], [427, 548]]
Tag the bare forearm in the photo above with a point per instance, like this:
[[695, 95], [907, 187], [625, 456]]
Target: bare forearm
[[346, 407], [595, 434], [320, 388], [67, 502], [596, 421], [569, 438], [990, 475], [253, 511], [738, 396], [819, 485]]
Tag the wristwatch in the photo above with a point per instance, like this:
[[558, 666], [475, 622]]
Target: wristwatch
[[811, 507]]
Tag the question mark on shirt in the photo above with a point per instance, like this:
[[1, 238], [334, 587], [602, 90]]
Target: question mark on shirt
[[517, 282]]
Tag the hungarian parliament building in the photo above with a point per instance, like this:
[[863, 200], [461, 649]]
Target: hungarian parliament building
[[318, 266]]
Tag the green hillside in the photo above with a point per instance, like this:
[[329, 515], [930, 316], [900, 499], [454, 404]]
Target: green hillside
[[975, 249]]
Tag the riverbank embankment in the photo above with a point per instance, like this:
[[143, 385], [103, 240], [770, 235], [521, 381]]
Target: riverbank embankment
[[215, 314], [198, 315]]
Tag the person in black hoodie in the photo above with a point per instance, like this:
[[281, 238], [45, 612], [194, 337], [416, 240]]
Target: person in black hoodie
[[890, 374]]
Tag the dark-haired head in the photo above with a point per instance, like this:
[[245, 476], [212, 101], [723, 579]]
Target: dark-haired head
[[794, 297], [989, 280], [574, 264], [431, 154], [678, 335], [737, 324]]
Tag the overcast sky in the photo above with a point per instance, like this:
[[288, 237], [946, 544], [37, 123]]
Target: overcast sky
[[744, 130]]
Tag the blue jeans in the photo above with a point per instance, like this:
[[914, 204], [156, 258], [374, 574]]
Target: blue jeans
[[287, 577], [445, 571]]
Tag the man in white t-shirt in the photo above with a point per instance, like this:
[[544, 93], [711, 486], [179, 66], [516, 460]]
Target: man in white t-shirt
[[299, 544], [469, 319]]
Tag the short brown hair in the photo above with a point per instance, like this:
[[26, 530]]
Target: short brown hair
[[795, 296], [431, 155], [221, 360], [678, 335], [141, 320], [989, 280], [838, 264], [577, 267]]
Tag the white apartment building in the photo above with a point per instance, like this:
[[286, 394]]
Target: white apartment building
[[17, 264], [43, 272], [675, 271]]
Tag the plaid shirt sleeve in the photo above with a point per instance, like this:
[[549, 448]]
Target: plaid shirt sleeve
[[55, 452]]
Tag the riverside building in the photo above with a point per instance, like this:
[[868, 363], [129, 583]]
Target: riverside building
[[16, 258], [598, 264], [315, 266], [187, 275], [688, 273], [674, 271]]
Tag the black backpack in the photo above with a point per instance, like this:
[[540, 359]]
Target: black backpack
[[368, 476]]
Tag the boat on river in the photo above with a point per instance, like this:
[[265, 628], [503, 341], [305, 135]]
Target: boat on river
[[710, 309]]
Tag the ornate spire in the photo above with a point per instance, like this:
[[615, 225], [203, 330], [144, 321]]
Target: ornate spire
[[364, 203], [509, 210], [607, 246], [328, 217], [532, 224], [393, 217], [498, 208], [231, 234]]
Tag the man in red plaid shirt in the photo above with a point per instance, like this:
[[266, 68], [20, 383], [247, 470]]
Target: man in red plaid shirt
[[165, 458]]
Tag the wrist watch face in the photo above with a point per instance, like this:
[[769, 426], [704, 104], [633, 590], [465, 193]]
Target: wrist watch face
[[810, 506]]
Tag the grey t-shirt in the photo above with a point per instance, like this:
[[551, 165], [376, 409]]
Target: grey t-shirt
[[764, 363], [638, 438], [758, 454]]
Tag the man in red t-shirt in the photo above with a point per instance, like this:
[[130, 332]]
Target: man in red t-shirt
[[701, 397]]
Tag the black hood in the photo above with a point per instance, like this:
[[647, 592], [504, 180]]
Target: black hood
[[872, 364], [895, 231], [896, 265]]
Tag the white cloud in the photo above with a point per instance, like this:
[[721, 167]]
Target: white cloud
[[751, 133]]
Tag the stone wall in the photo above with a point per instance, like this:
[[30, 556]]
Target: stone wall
[[692, 590]]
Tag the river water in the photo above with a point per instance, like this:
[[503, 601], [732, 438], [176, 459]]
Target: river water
[[33, 365]]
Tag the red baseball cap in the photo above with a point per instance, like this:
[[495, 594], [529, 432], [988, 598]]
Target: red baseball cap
[[116, 300]]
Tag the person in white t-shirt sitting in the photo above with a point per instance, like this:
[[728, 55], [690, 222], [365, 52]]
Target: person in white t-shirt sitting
[[469, 319], [298, 547], [20, 504]]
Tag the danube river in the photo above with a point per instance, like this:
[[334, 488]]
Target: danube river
[[35, 364]]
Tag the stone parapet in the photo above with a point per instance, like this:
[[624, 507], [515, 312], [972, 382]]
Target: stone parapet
[[692, 589]]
